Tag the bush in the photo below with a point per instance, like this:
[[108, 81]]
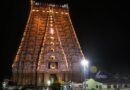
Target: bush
[[55, 86]]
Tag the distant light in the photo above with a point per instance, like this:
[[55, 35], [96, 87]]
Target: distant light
[[33, 10], [51, 21], [37, 3], [50, 11], [4, 84], [51, 25], [48, 82], [52, 38], [51, 31], [52, 43], [84, 63]]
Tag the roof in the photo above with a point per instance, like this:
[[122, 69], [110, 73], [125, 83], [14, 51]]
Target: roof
[[60, 2]]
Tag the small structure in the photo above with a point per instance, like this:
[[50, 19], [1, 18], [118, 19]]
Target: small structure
[[91, 84]]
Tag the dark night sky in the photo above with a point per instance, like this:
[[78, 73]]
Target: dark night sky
[[101, 27]]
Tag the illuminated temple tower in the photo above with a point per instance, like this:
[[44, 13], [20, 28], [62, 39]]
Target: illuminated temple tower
[[49, 49]]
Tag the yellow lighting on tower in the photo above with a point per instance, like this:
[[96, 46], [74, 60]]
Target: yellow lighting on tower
[[52, 38], [52, 57], [52, 31], [52, 43], [51, 25]]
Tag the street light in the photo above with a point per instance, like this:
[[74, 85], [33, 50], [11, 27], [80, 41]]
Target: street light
[[48, 83], [85, 65]]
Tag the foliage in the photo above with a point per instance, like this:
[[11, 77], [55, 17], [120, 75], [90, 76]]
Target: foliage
[[55, 86]]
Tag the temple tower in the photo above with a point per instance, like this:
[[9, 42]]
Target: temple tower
[[49, 49]]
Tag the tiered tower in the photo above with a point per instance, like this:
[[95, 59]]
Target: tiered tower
[[49, 49]]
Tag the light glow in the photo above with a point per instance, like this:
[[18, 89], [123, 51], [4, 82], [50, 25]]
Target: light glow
[[51, 21], [48, 82], [51, 31], [52, 57], [52, 43], [84, 63], [62, 13], [33, 10], [52, 38], [51, 25]]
